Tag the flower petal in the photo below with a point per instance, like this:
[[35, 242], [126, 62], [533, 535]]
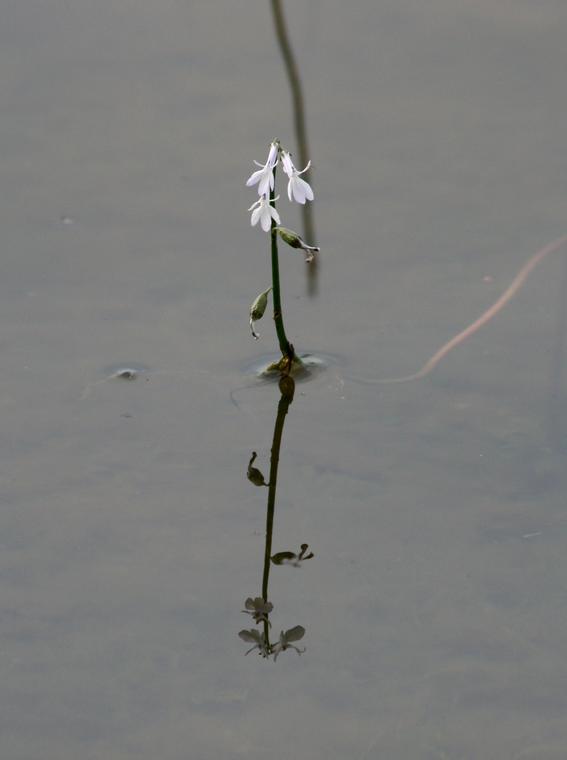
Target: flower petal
[[298, 194], [290, 189], [266, 183], [302, 190], [308, 189], [266, 218], [272, 155], [287, 164], [254, 177]]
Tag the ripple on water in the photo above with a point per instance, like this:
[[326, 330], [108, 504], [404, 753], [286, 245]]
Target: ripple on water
[[313, 365], [125, 371]]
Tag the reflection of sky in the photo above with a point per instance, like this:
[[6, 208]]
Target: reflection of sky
[[129, 533]]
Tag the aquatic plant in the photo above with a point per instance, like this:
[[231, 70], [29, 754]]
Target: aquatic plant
[[265, 213]]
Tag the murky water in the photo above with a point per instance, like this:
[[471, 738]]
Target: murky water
[[130, 534]]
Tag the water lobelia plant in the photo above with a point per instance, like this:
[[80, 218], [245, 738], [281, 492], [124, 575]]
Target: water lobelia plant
[[264, 212]]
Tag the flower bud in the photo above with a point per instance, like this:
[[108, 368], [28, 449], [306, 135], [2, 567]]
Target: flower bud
[[257, 310], [295, 241]]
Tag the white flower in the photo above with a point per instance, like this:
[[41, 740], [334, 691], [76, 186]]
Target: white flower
[[297, 189], [265, 175], [264, 212]]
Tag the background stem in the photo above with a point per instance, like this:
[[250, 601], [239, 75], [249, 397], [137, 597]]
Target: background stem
[[300, 124]]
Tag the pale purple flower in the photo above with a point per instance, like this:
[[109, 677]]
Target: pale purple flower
[[263, 212], [297, 189], [264, 177]]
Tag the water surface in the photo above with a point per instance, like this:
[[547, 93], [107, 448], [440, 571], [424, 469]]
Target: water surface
[[130, 536]]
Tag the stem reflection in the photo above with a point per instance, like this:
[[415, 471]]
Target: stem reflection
[[260, 607]]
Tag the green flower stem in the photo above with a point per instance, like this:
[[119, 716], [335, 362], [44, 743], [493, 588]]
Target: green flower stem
[[285, 346]]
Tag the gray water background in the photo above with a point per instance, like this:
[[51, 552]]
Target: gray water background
[[435, 605]]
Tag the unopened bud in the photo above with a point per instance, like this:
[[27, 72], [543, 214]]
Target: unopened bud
[[295, 241], [257, 311]]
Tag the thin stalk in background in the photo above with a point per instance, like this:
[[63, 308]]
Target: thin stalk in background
[[300, 125], [555, 415]]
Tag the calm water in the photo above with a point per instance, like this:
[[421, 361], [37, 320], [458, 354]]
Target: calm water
[[130, 536]]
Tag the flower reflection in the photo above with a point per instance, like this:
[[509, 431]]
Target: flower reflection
[[262, 644], [259, 609], [293, 634], [265, 649]]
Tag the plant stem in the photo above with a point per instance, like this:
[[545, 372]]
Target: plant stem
[[299, 118], [285, 346]]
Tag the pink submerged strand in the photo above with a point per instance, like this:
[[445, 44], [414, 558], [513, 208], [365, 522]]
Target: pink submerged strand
[[484, 318]]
